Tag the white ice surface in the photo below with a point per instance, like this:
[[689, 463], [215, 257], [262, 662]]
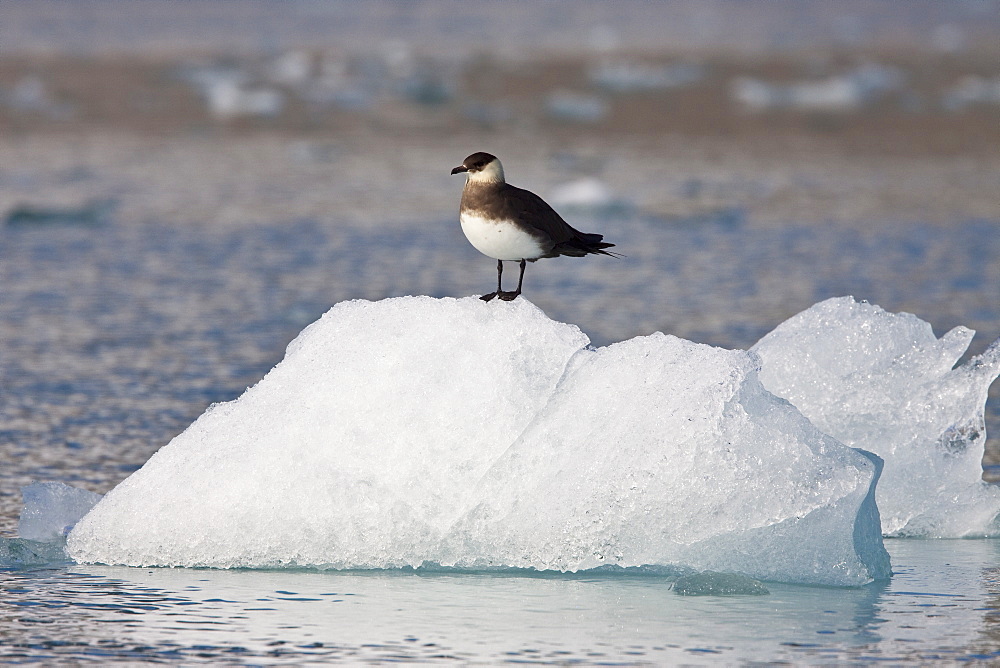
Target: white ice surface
[[418, 431], [883, 382], [662, 451]]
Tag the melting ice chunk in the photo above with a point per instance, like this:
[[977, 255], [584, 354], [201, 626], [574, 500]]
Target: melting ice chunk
[[663, 451], [51, 509], [883, 382], [358, 450], [417, 431]]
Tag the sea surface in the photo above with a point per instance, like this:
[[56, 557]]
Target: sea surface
[[941, 606], [114, 337]]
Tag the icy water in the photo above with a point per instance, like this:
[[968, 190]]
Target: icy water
[[115, 337], [943, 604]]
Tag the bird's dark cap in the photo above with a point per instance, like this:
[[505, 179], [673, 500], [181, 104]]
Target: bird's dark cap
[[474, 162]]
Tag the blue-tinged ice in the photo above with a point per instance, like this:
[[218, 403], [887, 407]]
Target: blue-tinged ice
[[418, 431], [22, 553], [883, 382], [51, 509], [662, 451], [49, 512]]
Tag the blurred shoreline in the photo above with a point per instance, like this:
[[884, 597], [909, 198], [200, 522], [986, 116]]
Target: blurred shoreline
[[792, 111], [76, 129]]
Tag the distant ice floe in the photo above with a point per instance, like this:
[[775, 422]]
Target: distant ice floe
[[625, 76], [845, 92], [31, 94], [451, 433], [254, 88], [292, 68], [567, 105], [588, 195], [229, 94], [230, 99], [972, 90]]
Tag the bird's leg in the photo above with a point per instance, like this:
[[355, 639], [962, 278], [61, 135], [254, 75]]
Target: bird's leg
[[508, 296], [491, 295]]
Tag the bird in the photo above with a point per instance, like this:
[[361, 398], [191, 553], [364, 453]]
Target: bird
[[515, 225]]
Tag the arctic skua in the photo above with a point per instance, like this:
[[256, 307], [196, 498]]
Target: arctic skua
[[509, 223]]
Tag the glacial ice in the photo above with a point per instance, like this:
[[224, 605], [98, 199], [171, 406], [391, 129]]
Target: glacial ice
[[418, 431], [49, 512], [662, 451], [51, 509], [883, 382], [357, 450]]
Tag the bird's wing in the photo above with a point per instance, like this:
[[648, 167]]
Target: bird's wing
[[532, 209]]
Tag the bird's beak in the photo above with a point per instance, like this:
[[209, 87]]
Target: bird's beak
[[460, 169]]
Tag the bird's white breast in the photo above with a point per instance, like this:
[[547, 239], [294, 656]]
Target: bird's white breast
[[500, 240]]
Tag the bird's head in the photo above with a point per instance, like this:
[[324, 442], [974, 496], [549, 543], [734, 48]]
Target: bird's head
[[481, 168]]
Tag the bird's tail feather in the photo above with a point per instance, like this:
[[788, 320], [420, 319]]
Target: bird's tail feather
[[585, 244]]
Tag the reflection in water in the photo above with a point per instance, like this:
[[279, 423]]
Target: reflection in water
[[990, 582], [942, 604]]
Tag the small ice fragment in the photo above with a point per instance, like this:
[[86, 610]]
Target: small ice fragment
[[843, 93], [51, 509], [588, 195], [566, 105]]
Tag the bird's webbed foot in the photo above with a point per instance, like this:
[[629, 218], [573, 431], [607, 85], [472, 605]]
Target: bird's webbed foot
[[508, 296], [490, 296]]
